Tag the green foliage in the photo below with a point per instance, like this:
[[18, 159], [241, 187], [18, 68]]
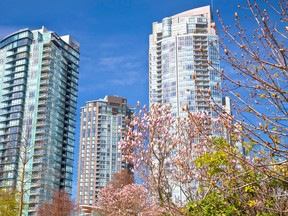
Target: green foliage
[[8, 203], [213, 204], [214, 161], [231, 184]]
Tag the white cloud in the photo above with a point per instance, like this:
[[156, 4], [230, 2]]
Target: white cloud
[[126, 62], [123, 79], [128, 79], [111, 61]]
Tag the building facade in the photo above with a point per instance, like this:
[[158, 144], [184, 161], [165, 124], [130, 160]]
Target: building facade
[[102, 125], [179, 50], [38, 92]]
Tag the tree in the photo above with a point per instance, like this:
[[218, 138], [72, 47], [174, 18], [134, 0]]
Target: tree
[[121, 179], [163, 148], [258, 86], [8, 203], [234, 185], [60, 205], [24, 173], [132, 199], [17, 145], [213, 176], [122, 197], [258, 83]]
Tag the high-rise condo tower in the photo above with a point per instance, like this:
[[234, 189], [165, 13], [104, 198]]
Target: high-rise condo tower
[[38, 92], [101, 129], [179, 50]]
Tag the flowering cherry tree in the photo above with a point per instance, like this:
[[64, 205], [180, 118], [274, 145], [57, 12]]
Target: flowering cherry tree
[[60, 205], [257, 81], [163, 148], [132, 199], [122, 178], [171, 154]]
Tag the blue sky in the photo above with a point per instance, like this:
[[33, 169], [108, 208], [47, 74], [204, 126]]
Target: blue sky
[[113, 35]]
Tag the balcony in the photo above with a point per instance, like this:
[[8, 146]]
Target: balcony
[[43, 89], [10, 53], [43, 96], [37, 169], [200, 38], [7, 73], [34, 193], [200, 68], [4, 119], [10, 79], [42, 109], [202, 97], [42, 103], [46, 56], [197, 48], [204, 92], [40, 131], [37, 183], [6, 99], [202, 83], [9, 66], [33, 200], [40, 138], [46, 62], [46, 50], [198, 53], [32, 208], [201, 104], [41, 117], [45, 68], [36, 176], [203, 73], [202, 78], [39, 145], [44, 83], [45, 76], [40, 124]]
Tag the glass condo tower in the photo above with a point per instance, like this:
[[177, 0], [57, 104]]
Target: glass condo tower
[[179, 48], [102, 124], [38, 92]]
